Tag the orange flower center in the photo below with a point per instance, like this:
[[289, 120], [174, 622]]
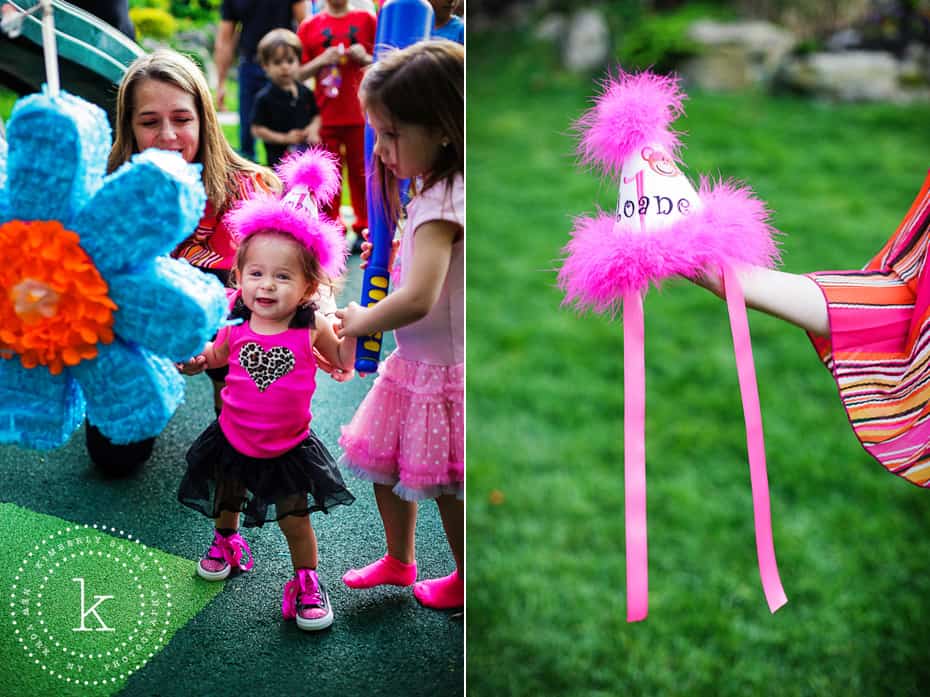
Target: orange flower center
[[54, 307]]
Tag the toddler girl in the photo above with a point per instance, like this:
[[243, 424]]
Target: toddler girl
[[260, 456], [164, 102], [407, 437]]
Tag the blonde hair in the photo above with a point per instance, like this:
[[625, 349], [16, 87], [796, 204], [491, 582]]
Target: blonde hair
[[422, 85], [221, 164], [275, 40]]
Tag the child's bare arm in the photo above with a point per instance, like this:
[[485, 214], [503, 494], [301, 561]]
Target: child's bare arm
[[791, 297], [422, 285], [214, 355], [332, 352]]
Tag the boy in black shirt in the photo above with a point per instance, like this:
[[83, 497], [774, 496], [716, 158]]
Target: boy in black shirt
[[285, 116]]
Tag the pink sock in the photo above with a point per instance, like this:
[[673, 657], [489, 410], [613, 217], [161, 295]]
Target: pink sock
[[441, 593], [386, 571]]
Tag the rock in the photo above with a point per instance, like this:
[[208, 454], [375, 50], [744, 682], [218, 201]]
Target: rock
[[846, 76], [735, 55], [550, 28], [587, 42]]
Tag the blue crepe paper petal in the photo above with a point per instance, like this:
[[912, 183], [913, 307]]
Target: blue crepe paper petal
[[4, 197], [131, 393], [144, 209], [37, 409], [57, 156], [169, 307]]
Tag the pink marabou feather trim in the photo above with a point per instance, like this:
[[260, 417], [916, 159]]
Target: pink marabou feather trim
[[265, 212], [316, 169], [604, 262], [632, 111]]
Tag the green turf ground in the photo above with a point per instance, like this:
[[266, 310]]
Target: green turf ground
[[382, 642], [546, 585]]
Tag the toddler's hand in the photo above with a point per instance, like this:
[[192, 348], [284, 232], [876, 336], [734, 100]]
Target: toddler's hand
[[194, 366], [367, 247], [335, 372], [296, 136], [349, 317]]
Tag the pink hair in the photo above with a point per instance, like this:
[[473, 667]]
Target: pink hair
[[604, 261], [316, 170], [631, 111]]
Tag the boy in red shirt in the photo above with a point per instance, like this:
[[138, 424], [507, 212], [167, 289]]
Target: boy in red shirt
[[337, 45]]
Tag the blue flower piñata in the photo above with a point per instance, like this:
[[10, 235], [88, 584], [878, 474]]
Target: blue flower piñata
[[93, 313]]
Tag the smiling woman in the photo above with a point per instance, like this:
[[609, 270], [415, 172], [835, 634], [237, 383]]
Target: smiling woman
[[164, 102], [165, 117]]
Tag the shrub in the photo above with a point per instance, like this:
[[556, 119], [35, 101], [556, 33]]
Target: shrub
[[660, 40], [153, 23], [164, 5]]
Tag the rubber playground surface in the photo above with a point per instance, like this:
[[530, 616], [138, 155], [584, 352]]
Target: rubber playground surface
[[100, 596]]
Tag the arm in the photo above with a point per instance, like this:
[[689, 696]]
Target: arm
[[266, 135], [422, 285], [299, 12], [792, 297], [223, 51], [328, 57], [312, 131], [359, 54], [336, 356], [214, 355]]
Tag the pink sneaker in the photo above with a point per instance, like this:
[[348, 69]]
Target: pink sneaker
[[225, 554], [306, 600]]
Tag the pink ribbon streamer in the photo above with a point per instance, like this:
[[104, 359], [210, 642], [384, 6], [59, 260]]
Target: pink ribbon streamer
[[755, 440], [634, 457]]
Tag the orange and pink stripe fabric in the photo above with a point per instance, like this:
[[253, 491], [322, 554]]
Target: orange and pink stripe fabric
[[879, 346]]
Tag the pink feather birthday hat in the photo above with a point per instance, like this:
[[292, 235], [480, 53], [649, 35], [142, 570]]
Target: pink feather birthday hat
[[311, 179], [663, 227]]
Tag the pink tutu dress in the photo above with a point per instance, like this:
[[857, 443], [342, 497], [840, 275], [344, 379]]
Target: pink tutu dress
[[409, 431]]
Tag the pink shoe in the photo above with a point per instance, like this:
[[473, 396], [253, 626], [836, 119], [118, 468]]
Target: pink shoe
[[225, 554], [306, 600], [386, 571], [441, 593]]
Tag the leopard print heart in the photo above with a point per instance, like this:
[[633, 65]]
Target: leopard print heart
[[265, 367]]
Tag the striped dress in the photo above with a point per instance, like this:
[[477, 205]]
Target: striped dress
[[211, 245], [878, 349]]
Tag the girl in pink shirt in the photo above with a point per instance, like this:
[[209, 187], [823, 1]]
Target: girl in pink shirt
[[407, 437], [260, 457]]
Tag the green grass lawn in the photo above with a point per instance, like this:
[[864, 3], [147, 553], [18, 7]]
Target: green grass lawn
[[546, 588]]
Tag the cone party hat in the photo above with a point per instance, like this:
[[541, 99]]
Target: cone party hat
[[664, 227]]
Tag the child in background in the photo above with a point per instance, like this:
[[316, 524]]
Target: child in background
[[407, 437], [870, 328], [447, 25], [260, 457], [338, 43], [164, 102], [285, 116]]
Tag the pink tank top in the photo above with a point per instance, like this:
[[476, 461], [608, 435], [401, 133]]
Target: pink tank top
[[266, 401], [438, 338]]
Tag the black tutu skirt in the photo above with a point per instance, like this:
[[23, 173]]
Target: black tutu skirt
[[219, 478]]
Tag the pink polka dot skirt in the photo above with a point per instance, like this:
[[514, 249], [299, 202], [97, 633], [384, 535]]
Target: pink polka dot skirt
[[409, 431]]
